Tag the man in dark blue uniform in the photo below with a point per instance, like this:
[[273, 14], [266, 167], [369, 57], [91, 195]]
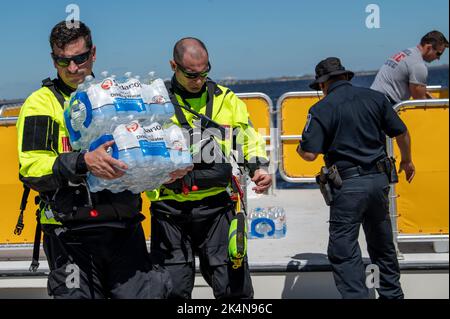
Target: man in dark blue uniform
[[348, 126]]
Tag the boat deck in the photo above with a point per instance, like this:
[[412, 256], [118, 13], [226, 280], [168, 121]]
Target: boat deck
[[292, 267]]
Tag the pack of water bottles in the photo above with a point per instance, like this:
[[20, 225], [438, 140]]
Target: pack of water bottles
[[267, 222], [136, 116], [98, 107]]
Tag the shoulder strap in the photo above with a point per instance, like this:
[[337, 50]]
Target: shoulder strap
[[48, 83], [212, 90], [209, 102], [178, 112]]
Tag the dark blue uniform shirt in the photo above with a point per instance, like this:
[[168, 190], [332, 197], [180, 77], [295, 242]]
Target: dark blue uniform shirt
[[349, 126]]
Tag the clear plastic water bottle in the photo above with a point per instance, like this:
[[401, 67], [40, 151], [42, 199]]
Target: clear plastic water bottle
[[176, 143], [86, 113], [128, 102], [95, 183], [155, 149], [127, 138], [279, 218], [102, 106], [157, 101], [77, 116]]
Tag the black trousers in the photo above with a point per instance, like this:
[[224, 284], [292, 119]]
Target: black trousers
[[102, 262], [363, 200], [180, 230]]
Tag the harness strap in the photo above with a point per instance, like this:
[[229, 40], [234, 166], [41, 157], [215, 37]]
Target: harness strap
[[48, 83], [36, 245], [23, 205]]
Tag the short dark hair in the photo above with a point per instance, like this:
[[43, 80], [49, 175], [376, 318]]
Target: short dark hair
[[62, 35], [179, 49], [339, 77], [435, 38]]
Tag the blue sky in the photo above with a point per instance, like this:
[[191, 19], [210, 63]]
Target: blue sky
[[247, 39]]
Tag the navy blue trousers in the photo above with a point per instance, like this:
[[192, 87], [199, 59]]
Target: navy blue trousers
[[363, 200]]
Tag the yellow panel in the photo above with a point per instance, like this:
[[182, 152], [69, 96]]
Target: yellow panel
[[423, 205], [11, 112], [11, 194], [259, 111], [439, 94], [294, 111]]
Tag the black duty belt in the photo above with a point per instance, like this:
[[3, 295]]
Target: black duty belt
[[359, 171]]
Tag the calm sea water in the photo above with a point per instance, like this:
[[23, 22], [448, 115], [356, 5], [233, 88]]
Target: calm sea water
[[275, 89]]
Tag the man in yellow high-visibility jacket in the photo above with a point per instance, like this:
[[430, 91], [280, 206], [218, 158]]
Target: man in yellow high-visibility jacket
[[94, 242], [192, 215]]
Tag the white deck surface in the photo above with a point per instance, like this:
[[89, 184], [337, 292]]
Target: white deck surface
[[307, 233]]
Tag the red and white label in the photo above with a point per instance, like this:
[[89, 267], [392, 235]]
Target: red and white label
[[66, 144], [132, 127], [107, 84]]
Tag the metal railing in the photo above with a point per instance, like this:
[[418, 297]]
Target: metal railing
[[9, 106], [282, 137], [8, 121], [272, 137]]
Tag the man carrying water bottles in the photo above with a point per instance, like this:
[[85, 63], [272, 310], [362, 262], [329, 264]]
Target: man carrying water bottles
[[94, 242], [192, 215]]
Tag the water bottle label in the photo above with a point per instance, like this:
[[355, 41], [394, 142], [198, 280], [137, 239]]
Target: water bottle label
[[102, 94], [154, 148], [126, 136], [129, 105], [158, 99], [262, 227], [107, 84], [154, 132], [279, 222], [155, 144], [155, 93]]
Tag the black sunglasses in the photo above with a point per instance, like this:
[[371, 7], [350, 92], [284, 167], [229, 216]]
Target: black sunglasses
[[194, 75], [77, 59], [438, 54]]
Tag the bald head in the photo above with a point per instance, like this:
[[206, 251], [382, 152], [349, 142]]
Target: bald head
[[190, 64], [193, 47]]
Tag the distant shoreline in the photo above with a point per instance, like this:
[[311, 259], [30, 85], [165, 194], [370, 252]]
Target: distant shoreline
[[232, 81]]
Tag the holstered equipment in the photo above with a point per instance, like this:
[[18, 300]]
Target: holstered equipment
[[329, 178], [326, 178], [388, 165]]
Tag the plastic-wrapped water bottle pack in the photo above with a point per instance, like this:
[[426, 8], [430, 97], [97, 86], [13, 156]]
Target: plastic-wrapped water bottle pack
[[97, 107], [267, 222], [136, 116]]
